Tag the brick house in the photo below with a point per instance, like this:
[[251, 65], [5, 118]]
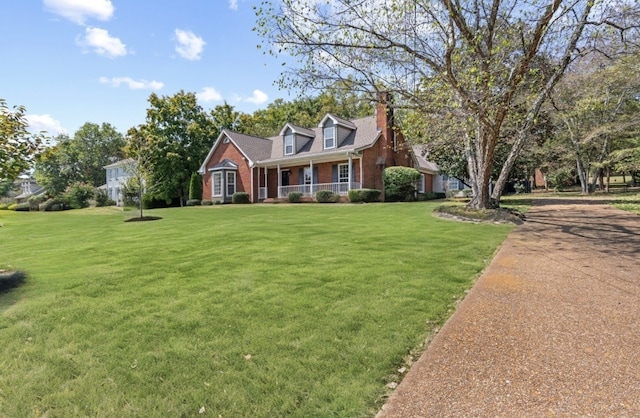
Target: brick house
[[337, 155]]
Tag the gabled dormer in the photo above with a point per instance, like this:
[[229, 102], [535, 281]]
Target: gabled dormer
[[334, 131], [294, 138]]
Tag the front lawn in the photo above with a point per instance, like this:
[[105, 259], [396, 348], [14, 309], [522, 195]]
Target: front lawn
[[256, 310]]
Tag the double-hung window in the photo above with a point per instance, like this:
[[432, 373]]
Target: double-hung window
[[288, 144], [343, 177], [231, 183], [329, 137], [421, 184], [217, 183]]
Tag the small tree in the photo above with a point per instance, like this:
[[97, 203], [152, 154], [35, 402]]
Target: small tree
[[400, 183], [195, 187], [78, 195]]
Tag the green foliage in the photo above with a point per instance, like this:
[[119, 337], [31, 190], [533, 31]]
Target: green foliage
[[51, 205], [18, 147], [561, 179], [102, 199], [78, 195], [364, 195], [326, 196], [7, 186], [295, 197], [150, 201], [400, 183], [21, 207], [4, 206], [12, 206], [195, 187], [240, 197], [194, 202], [428, 196], [207, 203]]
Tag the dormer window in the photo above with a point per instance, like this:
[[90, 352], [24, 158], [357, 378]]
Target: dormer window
[[329, 137], [288, 144]]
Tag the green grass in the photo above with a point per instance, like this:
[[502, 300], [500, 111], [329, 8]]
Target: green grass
[[628, 202], [159, 318]]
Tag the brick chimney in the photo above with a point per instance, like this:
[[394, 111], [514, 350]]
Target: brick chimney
[[384, 121]]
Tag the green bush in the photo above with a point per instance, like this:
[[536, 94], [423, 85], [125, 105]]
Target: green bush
[[326, 196], [51, 205], [4, 206], [102, 199], [560, 180], [295, 197], [151, 202], [206, 203], [195, 187], [34, 202], [427, 196], [400, 183], [78, 195], [364, 195], [12, 206], [240, 197], [21, 207], [193, 202]]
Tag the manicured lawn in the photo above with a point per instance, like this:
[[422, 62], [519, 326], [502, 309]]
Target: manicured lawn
[[628, 202], [297, 310]]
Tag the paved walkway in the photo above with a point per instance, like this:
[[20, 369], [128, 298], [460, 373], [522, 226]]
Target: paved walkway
[[552, 328]]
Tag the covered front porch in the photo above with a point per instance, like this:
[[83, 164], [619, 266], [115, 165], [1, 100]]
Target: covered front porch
[[338, 176]]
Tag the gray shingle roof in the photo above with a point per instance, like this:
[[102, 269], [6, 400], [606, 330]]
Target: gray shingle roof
[[423, 164], [254, 147]]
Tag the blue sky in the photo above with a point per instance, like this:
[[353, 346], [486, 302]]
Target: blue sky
[[75, 61]]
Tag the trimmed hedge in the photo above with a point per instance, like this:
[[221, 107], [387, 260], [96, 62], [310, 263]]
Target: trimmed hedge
[[400, 183], [193, 202], [295, 197], [326, 196], [206, 203], [51, 205], [364, 195], [21, 207], [240, 197], [4, 206]]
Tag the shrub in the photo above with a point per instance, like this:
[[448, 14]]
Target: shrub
[[151, 202], [240, 197], [206, 203], [51, 205], [12, 206], [195, 187], [427, 196], [295, 197], [193, 202], [364, 195], [22, 207], [78, 195], [102, 199], [326, 196], [34, 202], [400, 183], [4, 206]]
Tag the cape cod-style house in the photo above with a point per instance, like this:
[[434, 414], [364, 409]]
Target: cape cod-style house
[[337, 155]]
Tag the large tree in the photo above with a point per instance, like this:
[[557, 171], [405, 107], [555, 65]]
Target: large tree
[[471, 61], [18, 147], [597, 111], [175, 139], [80, 158]]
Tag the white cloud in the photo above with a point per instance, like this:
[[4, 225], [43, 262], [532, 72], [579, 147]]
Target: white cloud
[[45, 122], [258, 98], [190, 45], [209, 94], [102, 43], [132, 84], [233, 4], [78, 11]]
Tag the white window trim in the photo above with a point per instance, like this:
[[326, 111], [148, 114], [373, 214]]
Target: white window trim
[[422, 184], [340, 178], [229, 183], [325, 137], [304, 176], [213, 183], [291, 136]]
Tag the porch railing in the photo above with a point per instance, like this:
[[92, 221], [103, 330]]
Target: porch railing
[[311, 189], [262, 193]]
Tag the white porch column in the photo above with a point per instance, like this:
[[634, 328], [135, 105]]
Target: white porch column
[[266, 186], [311, 169], [251, 197], [279, 181], [361, 178], [350, 172]]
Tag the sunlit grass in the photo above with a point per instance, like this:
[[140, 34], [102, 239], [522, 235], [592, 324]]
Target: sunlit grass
[[281, 310]]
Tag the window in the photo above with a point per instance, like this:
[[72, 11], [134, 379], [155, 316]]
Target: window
[[307, 175], [421, 184], [343, 173], [288, 144], [217, 183], [329, 137], [231, 183]]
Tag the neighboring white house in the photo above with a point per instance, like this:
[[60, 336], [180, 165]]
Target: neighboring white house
[[117, 175]]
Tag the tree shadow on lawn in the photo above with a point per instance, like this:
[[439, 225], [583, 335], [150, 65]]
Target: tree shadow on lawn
[[143, 219]]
